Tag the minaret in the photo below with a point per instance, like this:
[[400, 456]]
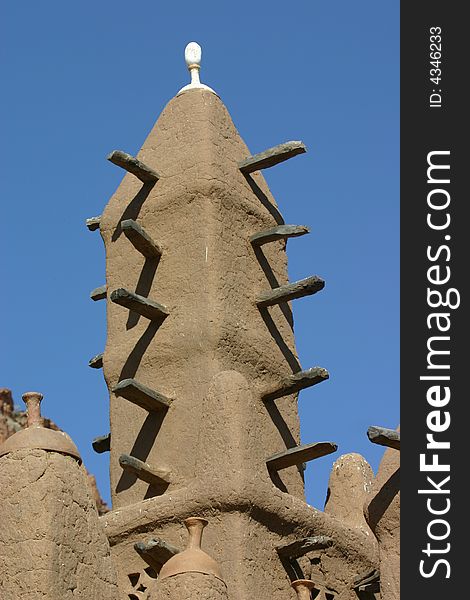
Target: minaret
[[201, 365]]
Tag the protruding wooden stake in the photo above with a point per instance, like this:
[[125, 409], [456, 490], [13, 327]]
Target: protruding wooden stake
[[369, 588], [142, 470], [139, 304], [102, 443], [141, 395], [278, 233], [140, 239], [96, 362], [296, 382], [368, 582], [384, 437], [291, 291], [303, 546], [271, 157], [98, 293], [299, 455], [93, 223], [155, 552], [134, 166]]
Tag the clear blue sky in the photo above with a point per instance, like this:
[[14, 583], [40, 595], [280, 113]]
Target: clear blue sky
[[82, 78]]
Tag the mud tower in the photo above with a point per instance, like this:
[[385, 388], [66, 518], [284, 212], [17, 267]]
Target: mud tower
[[203, 380], [201, 365]]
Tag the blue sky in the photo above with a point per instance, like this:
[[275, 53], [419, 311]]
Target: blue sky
[[81, 79]]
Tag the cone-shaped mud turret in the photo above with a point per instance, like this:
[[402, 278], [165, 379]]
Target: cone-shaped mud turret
[[202, 213], [201, 364], [51, 542]]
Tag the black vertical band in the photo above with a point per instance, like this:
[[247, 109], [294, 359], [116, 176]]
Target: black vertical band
[[434, 290]]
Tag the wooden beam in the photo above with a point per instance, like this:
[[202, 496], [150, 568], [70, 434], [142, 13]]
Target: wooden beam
[[145, 472], [291, 291], [370, 588], [102, 443], [300, 547], [155, 552], [140, 239], [271, 157], [134, 166], [300, 454], [98, 293], [367, 578], [96, 362], [93, 223], [278, 233], [139, 304], [296, 382], [384, 437], [141, 395]]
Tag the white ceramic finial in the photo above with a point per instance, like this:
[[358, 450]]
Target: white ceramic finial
[[192, 56]]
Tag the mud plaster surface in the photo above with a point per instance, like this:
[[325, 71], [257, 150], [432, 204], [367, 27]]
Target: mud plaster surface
[[51, 543], [214, 355], [383, 515], [201, 212], [189, 586], [349, 486]]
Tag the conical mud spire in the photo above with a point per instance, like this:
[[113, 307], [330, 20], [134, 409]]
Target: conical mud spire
[[200, 359], [190, 295]]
